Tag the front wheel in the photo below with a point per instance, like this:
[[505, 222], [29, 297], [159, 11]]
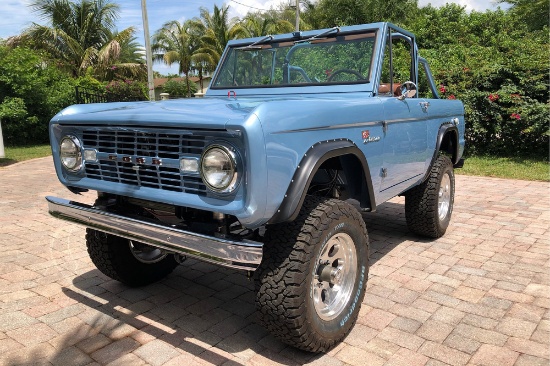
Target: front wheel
[[132, 263], [313, 275], [428, 206]]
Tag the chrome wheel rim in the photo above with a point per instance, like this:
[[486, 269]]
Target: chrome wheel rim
[[146, 253], [444, 199], [334, 276]]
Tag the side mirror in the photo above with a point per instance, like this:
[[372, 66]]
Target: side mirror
[[408, 90]]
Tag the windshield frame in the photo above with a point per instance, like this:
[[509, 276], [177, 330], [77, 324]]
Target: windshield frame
[[344, 35]]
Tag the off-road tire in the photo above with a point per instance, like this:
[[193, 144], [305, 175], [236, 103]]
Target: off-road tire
[[284, 279], [421, 202], [112, 256]]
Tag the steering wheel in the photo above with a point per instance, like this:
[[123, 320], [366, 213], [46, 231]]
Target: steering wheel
[[347, 71]]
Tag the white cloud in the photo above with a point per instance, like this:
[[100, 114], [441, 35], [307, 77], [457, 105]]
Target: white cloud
[[477, 5], [15, 16], [242, 7]]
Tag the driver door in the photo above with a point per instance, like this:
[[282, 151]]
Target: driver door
[[405, 120]]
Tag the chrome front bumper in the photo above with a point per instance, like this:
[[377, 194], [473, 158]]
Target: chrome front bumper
[[245, 254]]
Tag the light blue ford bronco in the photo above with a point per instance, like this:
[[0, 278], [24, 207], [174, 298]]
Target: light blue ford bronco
[[269, 173]]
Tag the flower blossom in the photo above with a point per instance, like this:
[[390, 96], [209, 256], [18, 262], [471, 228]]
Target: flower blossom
[[452, 96], [516, 116], [442, 88], [493, 97]]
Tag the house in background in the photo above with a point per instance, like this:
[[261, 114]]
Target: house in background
[[159, 82]]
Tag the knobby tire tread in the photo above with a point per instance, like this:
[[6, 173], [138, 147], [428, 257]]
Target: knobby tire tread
[[111, 255], [421, 210], [281, 280]]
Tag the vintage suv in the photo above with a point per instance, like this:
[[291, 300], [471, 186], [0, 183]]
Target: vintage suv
[[269, 173]]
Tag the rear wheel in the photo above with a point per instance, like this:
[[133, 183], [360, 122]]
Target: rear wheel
[[428, 206], [313, 275], [132, 263]]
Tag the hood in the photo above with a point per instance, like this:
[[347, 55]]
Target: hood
[[204, 112]]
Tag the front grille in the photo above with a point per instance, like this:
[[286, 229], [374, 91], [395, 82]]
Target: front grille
[[113, 144], [161, 145]]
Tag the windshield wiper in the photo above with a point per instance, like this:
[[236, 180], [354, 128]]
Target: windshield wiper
[[254, 46], [318, 36]]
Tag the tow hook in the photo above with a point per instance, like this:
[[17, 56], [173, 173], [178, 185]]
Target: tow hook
[[179, 258]]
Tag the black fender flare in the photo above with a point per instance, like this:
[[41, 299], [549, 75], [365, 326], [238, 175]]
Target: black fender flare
[[444, 129], [308, 166]]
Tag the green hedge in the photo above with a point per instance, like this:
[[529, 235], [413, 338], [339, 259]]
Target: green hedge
[[499, 69], [32, 91], [178, 88]]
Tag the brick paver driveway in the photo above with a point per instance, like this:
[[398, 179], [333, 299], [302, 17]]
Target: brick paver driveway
[[479, 295]]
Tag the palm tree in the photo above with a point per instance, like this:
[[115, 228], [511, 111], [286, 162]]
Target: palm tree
[[130, 50], [287, 14], [79, 34], [175, 43], [261, 24], [121, 58], [202, 56], [213, 31], [217, 30]]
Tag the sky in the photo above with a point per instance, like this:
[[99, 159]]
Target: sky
[[15, 15]]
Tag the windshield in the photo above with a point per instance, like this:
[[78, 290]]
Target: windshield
[[342, 59]]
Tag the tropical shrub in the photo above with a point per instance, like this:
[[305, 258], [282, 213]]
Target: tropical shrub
[[499, 69], [32, 91], [90, 83], [178, 88], [127, 90]]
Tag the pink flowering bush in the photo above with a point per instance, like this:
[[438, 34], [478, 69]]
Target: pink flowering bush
[[126, 90], [498, 68]]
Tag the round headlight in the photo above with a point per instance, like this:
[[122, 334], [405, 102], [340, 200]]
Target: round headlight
[[70, 153], [219, 169]]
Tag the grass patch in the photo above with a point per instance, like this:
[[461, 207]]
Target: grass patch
[[17, 154], [509, 168]]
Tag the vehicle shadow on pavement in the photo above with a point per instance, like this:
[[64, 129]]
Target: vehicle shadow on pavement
[[387, 229], [201, 310]]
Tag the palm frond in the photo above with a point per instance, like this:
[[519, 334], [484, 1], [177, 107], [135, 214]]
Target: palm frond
[[78, 32]]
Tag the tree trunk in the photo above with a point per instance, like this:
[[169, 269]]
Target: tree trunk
[[188, 86]]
